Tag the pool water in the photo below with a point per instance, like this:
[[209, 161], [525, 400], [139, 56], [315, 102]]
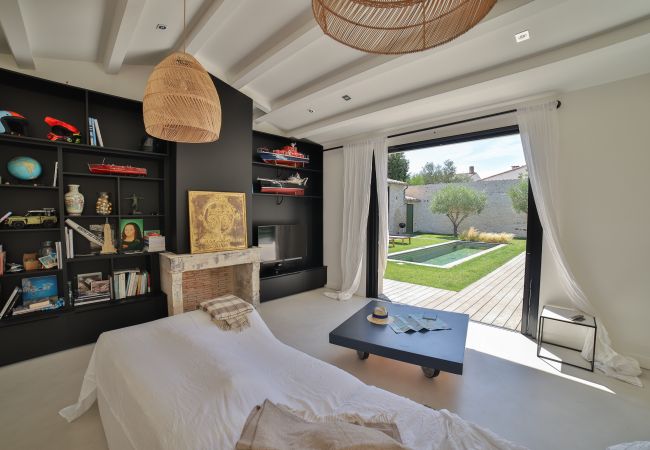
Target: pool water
[[442, 255]]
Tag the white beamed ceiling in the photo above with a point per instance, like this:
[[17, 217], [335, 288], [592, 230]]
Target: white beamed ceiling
[[273, 51]]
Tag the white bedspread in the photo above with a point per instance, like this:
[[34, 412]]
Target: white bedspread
[[182, 383]]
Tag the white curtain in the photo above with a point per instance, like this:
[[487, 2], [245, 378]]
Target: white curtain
[[540, 138], [357, 177], [381, 170]]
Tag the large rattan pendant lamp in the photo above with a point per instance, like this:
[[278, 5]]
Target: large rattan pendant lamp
[[180, 102], [392, 27]]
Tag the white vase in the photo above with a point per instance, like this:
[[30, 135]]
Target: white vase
[[74, 200]]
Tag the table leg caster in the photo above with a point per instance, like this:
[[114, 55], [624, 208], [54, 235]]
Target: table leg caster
[[430, 373], [362, 355]]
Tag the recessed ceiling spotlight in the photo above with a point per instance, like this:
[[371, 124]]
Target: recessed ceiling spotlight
[[311, 110], [523, 36], [346, 97], [161, 26]]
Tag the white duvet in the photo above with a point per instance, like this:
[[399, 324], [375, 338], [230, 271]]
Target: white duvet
[[182, 383]]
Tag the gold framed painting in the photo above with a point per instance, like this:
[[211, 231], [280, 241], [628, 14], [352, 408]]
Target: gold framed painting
[[217, 221]]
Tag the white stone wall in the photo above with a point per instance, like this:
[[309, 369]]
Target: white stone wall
[[396, 207], [498, 215]]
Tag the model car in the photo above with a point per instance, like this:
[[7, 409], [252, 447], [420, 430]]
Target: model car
[[37, 217]]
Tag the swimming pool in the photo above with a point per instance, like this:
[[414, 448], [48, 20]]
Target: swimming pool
[[445, 255]]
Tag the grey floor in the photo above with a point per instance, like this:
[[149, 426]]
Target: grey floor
[[504, 387]]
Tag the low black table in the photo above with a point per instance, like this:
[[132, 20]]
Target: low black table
[[432, 350]]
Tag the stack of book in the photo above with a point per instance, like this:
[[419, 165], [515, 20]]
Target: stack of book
[[42, 305], [130, 283], [154, 243], [91, 288], [94, 132]]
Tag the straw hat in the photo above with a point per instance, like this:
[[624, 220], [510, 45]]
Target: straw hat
[[380, 316]]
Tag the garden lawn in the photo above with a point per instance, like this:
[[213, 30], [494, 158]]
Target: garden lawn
[[455, 278]]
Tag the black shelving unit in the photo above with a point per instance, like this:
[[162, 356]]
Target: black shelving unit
[[277, 209], [120, 120]]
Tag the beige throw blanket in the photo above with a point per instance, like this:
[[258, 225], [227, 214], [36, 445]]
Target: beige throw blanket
[[272, 427], [228, 312]]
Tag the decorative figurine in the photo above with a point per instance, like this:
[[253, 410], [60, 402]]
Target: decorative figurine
[[74, 200], [134, 203], [103, 207], [108, 246]]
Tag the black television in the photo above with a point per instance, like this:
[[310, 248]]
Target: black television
[[280, 243]]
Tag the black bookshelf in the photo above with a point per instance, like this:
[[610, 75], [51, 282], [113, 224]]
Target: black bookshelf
[[277, 209], [120, 121]]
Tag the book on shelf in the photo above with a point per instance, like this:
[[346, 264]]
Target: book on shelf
[[91, 131], [59, 255], [3, 256], [154, 243], [9, 304], [50, 305], [56, 173], [130, 283], [98, 133], [5, 217], [69, 243]]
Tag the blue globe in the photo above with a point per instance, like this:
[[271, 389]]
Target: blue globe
[[24, 168]]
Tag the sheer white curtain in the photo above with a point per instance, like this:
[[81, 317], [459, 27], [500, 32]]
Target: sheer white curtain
[[540, 138], [381, 170], [357, 177]]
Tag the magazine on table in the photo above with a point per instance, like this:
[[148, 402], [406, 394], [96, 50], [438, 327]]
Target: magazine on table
[[417, 322]]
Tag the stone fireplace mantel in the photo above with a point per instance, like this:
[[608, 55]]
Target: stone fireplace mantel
[[189, 279]]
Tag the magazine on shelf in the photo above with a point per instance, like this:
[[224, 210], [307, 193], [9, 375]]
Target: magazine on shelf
[[9, 304]]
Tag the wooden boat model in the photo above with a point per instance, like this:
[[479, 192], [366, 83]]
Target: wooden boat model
[[115, 169], [294, 185]]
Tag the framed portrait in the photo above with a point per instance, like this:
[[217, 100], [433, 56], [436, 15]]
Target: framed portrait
[[217, 221], [131, 237]]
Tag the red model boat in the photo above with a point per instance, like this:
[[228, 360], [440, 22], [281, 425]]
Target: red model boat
[[285, 156], [114, 169]]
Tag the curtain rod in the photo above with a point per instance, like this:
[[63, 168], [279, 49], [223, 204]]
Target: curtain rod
[[473, 119]]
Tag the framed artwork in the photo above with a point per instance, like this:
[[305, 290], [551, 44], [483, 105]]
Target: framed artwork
[[131, 239], [39, 288], [217, 221]]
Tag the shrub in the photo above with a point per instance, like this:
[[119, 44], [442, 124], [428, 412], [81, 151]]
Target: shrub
[[480, 236]]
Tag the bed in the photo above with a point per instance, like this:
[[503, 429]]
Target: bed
[[182, 383]]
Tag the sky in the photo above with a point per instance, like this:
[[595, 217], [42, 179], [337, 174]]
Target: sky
[[488, 156]]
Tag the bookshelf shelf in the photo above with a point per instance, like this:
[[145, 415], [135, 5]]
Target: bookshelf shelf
[[27, 186], [29, 230], [122, 128], [290, 169], [30, 273]]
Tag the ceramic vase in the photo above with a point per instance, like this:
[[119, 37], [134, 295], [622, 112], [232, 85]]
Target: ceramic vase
[[103, 206], [74, 200]]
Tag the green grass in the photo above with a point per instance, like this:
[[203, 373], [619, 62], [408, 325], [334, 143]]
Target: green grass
[[420, 240], [456, 278]]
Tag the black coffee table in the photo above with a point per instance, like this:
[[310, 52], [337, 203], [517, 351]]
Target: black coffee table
[[432, 350]]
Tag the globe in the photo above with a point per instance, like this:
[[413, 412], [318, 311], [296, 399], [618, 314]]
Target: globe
[[24, 168]]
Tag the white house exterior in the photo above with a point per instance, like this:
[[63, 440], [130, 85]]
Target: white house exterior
[[513, 174]]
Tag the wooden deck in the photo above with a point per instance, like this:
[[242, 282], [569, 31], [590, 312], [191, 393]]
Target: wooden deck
[[495, 299]]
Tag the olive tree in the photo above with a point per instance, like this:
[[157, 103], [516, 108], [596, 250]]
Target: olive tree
[[458, 203], [519, 195]]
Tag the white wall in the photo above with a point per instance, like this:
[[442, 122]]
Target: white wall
[[605, 208], [129, 83]]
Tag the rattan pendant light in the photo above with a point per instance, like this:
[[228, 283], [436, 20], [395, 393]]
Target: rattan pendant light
[[392, 27], [180, 102]]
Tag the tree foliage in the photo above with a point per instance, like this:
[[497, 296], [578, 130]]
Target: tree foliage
[[438, 173], [519, 195], [398, 167], [458, 203]]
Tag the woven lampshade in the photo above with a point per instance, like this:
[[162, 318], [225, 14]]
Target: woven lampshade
[[180, 102], [397, 26]]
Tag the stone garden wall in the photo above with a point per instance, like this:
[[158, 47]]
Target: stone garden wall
[[498, 215]]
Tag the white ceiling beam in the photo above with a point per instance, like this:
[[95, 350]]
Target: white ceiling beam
[[13, 26], [217, 13], [372, 65], [299, 34], [125, 21], [618, 35]]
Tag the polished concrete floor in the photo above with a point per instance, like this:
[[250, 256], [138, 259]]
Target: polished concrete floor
[[504, 387]]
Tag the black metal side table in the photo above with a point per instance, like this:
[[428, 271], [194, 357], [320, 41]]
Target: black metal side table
[[560, 314]]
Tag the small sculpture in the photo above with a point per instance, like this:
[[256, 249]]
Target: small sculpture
[[134, 203], [108, 246], [103, 207]]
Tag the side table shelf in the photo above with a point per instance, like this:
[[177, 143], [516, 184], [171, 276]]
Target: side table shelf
[[560, 314]]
